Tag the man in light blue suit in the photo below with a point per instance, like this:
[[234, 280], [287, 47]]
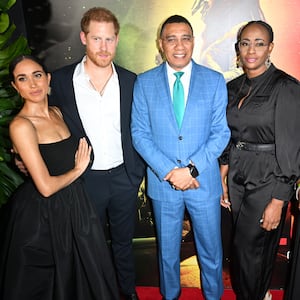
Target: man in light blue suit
[[182, 157]]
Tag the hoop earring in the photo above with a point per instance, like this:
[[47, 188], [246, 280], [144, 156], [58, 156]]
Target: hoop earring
[[268, 62]]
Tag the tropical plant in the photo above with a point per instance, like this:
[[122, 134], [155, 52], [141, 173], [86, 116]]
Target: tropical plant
[[10, 101]]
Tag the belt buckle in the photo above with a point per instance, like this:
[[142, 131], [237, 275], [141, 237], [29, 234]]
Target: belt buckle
[[240, 145]]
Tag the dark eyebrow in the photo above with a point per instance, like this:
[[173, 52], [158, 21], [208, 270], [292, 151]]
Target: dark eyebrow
[[20, 75], [174, 35], [38, 71], [34, 72], [257, 39], [170, 35]]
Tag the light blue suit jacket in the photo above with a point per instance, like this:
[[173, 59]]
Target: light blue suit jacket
[[202, 138]]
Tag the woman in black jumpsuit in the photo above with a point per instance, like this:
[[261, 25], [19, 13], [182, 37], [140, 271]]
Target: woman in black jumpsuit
[[261, 163]]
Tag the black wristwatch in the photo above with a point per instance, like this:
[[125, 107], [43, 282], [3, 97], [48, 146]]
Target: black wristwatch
[[193, 170]]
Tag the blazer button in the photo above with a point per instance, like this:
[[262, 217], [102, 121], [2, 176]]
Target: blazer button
[[179, 161], [180, 137]]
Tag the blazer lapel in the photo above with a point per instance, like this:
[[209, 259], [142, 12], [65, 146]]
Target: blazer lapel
[[165, 98], [195, 93], [125, 102]]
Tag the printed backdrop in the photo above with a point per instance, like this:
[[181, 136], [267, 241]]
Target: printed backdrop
[[53, 31], [53, 27]]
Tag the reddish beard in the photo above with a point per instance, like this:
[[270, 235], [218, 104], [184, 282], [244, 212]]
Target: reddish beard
[[101, 59]]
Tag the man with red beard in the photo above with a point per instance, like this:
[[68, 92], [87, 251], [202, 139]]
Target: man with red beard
[[95, 98]]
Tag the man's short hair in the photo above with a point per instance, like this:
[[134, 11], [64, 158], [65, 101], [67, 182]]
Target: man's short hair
[[99, 14], [174, 19]]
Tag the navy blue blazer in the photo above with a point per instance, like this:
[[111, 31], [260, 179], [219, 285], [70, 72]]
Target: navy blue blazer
[[63, 96]]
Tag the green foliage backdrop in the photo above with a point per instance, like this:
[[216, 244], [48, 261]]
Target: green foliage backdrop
[[10, 101]]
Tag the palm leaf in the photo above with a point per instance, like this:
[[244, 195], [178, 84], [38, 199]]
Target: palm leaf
[[10, 101]]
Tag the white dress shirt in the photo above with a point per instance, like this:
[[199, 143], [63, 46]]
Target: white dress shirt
[[100, 116], [185, 79]]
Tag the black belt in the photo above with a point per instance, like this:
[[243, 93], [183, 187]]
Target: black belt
[[254, 147], [109, 171]]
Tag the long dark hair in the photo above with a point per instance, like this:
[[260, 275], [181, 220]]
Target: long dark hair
[[20, 58]]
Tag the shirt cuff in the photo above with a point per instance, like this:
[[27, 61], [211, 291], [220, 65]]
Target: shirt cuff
[[283, 191]]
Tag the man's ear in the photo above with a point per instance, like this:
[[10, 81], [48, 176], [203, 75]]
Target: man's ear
[[159, 46], [82, 37], [117, 39]]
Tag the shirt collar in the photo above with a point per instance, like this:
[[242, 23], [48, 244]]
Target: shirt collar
[[80, 70], [187, 69]]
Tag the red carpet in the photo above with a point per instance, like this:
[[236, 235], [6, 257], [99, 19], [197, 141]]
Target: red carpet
[[152, 293]]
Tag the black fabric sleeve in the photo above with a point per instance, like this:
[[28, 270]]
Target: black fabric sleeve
[[287, 137]]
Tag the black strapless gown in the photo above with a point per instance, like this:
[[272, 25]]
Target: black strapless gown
[[54, 248]]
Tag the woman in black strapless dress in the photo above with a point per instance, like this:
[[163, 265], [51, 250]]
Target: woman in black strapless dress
[[52, 244]]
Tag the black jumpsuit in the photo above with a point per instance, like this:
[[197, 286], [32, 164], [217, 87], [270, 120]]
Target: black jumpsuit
[[268, 115]]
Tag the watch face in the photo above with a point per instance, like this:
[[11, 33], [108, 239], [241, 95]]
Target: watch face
[[194, 172]]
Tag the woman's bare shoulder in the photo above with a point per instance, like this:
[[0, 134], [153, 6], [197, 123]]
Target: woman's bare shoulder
[[21, 125]]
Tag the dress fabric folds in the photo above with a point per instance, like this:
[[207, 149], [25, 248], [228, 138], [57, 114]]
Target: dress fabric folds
[[54, 247]]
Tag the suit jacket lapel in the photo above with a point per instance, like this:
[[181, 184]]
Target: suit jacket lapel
[[72, 105], [195, 91], [126, 97], [163, 92]]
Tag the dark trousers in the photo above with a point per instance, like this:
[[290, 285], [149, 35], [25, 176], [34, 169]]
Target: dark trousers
[[115, 199], [254, 249]]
